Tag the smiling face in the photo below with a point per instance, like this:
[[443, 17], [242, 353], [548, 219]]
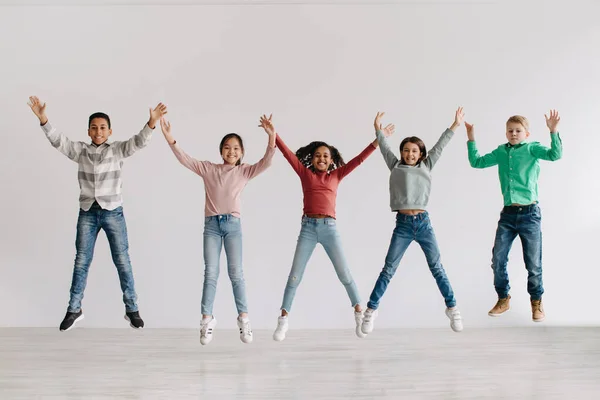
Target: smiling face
[[411, 154], [516, 133], [99, 131], [321, 159], [232, 151]]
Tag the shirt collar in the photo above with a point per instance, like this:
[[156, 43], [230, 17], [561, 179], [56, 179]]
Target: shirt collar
[[98, 145], [516, 146]]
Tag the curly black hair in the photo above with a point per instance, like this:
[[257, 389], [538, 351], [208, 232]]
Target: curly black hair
[[305, 155]]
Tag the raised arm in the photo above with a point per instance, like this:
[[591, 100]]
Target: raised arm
[[287, 153], [477, 161], [199, 167], [59, 141], [555, 151], [436, 151], [137, 142], [355, 162], [382, 133], [250, 171]]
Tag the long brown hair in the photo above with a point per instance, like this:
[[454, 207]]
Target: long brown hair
[[418, 142]]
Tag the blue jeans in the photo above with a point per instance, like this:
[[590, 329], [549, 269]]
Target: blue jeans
[[324, 231], [89, 224], [223, 230], [526, 222], [409, 228]]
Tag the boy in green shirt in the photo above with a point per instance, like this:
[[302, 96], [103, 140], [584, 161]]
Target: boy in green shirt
[[518, 170]]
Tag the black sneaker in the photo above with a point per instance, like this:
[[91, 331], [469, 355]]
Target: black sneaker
[[70, 319], [135, 321]]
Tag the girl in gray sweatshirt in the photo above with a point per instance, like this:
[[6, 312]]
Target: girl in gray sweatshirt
[[410, 186]]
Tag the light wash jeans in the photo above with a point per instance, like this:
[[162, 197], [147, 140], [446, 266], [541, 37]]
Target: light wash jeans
[[223, 230], [324, 231]]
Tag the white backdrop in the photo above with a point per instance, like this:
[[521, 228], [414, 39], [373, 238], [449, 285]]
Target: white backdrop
[[323, 71]]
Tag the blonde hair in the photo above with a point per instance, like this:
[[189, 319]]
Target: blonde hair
[[519, 119]]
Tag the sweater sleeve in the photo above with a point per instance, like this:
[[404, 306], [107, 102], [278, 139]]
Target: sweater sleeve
[[290, 156], [436, 151], [355, 162], [250, 171], [199, 167], [388, 154]]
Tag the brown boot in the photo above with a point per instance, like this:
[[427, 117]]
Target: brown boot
[[537, 311], [502, 306]]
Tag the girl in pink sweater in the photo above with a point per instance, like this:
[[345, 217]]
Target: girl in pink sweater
[[223, 183], [321, 169]]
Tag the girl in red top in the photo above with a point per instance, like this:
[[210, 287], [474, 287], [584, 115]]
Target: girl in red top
[[321, 169]]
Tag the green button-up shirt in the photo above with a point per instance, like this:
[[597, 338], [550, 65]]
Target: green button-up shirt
[[518, 167]]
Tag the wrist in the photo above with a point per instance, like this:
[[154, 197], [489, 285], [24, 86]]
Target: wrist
[[151, 123], [43, 120]]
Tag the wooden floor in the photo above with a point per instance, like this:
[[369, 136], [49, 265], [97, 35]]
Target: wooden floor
[[533, 363]]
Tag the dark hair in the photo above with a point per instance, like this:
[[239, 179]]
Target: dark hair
[[418, 142], [239, 139], [305, 155], [99, 115]]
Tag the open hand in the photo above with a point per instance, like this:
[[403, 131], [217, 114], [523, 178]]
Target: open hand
[[377, 122], [470, 131], [459, 117], [267, 124], [156, 114], [38, 108], [553, 121], [388, 130]]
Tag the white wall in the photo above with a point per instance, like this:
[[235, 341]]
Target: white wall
[[324, 71]]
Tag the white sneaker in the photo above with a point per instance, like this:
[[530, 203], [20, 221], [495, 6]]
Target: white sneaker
[[206, 330], [368, 321], [282, 328], [455, 319], [358, 317], [245, 330]]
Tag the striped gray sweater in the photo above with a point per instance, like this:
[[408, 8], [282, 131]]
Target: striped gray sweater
[[99, 166]]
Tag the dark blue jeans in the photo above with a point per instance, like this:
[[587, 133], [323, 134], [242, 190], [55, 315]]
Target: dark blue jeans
[[88, 226], [411, 228], [526, 222]]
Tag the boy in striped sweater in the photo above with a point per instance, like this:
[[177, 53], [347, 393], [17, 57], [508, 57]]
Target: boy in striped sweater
[[100, 202]]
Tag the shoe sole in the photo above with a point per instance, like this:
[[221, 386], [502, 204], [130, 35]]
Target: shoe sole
[[499, 315], [130, 324], [73, 324], [539, 320]]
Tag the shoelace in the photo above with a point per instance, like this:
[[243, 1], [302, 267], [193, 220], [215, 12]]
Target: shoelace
[[246, 329], [537, 306], [204, 327]]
